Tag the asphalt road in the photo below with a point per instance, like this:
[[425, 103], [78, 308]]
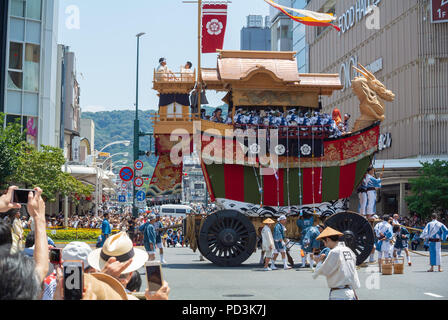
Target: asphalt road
[[191, 279]]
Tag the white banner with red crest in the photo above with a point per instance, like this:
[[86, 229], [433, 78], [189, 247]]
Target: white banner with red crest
[[214, 21]]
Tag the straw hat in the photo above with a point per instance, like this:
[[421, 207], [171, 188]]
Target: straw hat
[[121, 247], [269, 221], [329, 232], [105, 287]]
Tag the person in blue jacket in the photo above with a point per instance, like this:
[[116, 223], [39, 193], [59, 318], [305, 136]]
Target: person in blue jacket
[[402, 242], [279, 243], [311, 245], [105, 229], [305, 222], [149, 237]]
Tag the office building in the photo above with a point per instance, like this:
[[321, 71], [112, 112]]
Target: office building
[[399, 43], [28, 66], [299, 39], [281, 28], [255, 36]]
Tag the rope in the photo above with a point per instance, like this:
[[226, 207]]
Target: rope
[[260, 188], [321, 164], [287, 165], [312, 172], [426, 255], [300, 170]]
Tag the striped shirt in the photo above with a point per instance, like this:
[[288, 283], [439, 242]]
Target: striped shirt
[[434, 230], [372, 182]]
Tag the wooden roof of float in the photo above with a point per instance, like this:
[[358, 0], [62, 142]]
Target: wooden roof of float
[[265, 70]]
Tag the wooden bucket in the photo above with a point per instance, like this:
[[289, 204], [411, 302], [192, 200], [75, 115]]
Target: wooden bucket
[[399, 266], [387, 266]]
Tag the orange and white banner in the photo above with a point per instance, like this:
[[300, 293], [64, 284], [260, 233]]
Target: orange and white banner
[[309, 18]]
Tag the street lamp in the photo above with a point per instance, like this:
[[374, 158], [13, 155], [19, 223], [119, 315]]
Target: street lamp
[[127, 143], [136, 126], [99, 180]]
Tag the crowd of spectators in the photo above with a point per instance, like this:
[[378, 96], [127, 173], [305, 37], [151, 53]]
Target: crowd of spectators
[[25, 276]]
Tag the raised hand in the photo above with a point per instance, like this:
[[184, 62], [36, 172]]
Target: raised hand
[[6, 203]]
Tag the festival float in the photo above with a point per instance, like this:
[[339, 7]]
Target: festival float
[[257, 171]]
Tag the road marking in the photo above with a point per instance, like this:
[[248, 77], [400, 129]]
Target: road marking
[[433, 295]]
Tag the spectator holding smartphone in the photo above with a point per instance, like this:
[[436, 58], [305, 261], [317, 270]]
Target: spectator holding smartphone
[[20, 277]]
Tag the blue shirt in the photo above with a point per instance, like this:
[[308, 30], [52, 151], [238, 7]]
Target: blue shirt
[[372, 182], [304, 224], [311, 235], [279, 232], [157, 226], [105, 227], [149, 236]]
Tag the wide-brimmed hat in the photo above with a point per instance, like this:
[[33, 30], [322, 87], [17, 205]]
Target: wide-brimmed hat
[[329, 232], [269, 221], [119, 246], [105, 287]]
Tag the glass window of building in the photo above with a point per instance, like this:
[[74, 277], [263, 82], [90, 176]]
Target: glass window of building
[[33, 31], [11, 118], [31, 68], [15, 55], [34, 9], [18, 8], [17, 29], [15, 80]]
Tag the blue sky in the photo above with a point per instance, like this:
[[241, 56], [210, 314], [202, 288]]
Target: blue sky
[[105, 45]]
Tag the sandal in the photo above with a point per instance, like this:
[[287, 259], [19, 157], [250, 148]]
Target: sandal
[[430, 270]]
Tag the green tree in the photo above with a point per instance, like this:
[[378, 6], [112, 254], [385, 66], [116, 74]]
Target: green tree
[[430, 189], [43, 169], [11, 137]]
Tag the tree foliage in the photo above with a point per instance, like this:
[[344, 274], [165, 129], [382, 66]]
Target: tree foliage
[[430, 189], [11, 138], [43, 169]]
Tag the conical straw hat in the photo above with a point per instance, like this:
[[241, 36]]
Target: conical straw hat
[[269, 221], [328, 232]]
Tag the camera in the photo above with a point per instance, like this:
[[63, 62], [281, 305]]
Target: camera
[[20, 196]]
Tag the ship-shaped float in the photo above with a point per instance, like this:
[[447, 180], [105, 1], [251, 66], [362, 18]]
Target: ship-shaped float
[[258, 170]]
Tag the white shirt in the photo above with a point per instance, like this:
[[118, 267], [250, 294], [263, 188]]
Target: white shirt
[[339, 268], [267, 239]]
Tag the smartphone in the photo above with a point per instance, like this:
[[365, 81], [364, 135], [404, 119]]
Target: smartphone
[[154, 275], [20, 196], [55, 255], [73, 280]]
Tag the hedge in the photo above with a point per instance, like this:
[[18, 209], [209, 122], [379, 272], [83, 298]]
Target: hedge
[[73, 234]]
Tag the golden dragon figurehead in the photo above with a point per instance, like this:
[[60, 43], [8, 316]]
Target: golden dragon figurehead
[[370, 93]]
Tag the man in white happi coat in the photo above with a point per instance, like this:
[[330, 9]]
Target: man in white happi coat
[[339, 267], [384, 234], [435, 232]]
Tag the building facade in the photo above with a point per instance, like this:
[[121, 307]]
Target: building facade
[[28, 72], [397, 41], [256, 36], [299, 39], [281, 28]]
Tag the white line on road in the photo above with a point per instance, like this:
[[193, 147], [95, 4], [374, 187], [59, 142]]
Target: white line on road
[[433, 295]]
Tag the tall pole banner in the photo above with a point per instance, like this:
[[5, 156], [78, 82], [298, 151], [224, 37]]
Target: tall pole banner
[[214, 21]]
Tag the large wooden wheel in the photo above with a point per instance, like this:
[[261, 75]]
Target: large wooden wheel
[[227, 238], [358, 233]]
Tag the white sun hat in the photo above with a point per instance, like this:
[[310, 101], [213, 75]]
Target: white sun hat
[[119, 246]]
